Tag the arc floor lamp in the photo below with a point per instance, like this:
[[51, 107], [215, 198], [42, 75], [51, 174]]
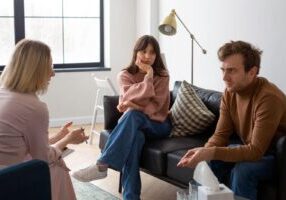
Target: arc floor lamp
[[169, 27]]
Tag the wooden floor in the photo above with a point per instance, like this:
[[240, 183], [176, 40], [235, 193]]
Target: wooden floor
[[85, 154]]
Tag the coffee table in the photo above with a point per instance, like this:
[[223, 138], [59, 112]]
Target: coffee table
[[184, 194]]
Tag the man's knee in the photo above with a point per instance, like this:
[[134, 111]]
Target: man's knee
[[243, 171]]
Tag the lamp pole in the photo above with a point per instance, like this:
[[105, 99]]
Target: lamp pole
[[192, 62], [192, 40]]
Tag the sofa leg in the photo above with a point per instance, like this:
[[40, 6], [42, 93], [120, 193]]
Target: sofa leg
[[120, 183]]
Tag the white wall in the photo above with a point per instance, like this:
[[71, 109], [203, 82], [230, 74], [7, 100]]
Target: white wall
[[260, 22], [147, 17], [71, 95]]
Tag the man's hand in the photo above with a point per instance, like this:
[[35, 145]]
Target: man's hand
[[196, 155]]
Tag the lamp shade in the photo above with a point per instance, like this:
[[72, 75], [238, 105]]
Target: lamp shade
[[169, 25]]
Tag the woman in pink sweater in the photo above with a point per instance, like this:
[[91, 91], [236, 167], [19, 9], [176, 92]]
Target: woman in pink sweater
[[24, 119], [144, 100]]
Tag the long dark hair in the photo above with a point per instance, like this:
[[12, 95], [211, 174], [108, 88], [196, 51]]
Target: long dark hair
[[141, 44]]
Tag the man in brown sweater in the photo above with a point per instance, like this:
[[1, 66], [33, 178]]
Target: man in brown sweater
[[252, 108]]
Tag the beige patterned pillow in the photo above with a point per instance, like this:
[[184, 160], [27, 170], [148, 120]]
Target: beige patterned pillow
[[189, 115]]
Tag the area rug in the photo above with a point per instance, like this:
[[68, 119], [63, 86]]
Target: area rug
[[88, 191]]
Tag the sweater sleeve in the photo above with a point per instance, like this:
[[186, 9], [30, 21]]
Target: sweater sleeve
[[135, 92], [266, 120], [161, 99], [37, 135], [224, 127]]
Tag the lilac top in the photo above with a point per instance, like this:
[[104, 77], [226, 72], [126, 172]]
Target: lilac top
[[24, 122]]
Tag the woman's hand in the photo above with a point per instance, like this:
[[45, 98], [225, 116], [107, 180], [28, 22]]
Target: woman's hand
[[76, 136], [61, 134], [144, 67], [123, 106], [132, 105]]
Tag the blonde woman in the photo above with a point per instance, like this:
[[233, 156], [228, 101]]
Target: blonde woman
[[24, 119]]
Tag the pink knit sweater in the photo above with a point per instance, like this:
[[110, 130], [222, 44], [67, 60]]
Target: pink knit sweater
[[150, 93]]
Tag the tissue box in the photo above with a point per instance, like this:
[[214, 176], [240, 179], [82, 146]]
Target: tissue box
[[223, 194]]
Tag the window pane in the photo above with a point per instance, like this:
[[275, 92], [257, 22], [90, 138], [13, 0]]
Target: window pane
[[49, 31], [75, 41], [6, 8], [43, 8], [82, 40], [81, 8], [6, 39]]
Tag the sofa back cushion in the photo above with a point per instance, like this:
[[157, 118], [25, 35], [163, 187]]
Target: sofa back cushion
[[210, 98], [111, 114], [189, 115]]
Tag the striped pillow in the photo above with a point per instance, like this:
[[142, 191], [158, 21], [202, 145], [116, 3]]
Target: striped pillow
[[189, 115]]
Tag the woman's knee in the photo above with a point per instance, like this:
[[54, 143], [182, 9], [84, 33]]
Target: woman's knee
[[135, 114]]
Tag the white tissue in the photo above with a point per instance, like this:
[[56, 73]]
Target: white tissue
[[204, 176]]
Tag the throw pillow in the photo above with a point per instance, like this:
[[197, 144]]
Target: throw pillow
[[189, 115]]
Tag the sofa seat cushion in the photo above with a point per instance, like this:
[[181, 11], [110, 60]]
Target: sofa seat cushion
[[103, 138], [182, 175], [154, 155]]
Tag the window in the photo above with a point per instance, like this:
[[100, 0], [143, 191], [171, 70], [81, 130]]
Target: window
[[72, 28], [6, 34]]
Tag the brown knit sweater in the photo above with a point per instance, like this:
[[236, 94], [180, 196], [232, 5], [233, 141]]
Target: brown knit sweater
[[255, 114], [150, 93]]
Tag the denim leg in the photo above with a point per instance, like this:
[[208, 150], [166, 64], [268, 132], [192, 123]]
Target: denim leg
[[221, 170], [156, 130], [122, 137], [246, 175], [124, 146], [131, 180]]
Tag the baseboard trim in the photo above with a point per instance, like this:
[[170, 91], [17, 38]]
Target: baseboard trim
[[57, 122]]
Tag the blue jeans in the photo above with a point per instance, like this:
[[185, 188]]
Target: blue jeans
[[243, 177], [124, 146]]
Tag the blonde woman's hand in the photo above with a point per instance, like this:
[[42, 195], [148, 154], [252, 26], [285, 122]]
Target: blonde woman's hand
[[64, 130], [61, 134], [76, 136]]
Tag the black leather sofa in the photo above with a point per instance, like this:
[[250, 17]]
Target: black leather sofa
[[160, 157], [26, 181]]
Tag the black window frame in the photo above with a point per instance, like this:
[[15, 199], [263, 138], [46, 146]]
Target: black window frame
[[19, 25]]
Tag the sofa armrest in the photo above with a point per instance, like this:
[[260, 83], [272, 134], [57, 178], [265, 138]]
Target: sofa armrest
[[28, 180], [281, 166], [111, 114]]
